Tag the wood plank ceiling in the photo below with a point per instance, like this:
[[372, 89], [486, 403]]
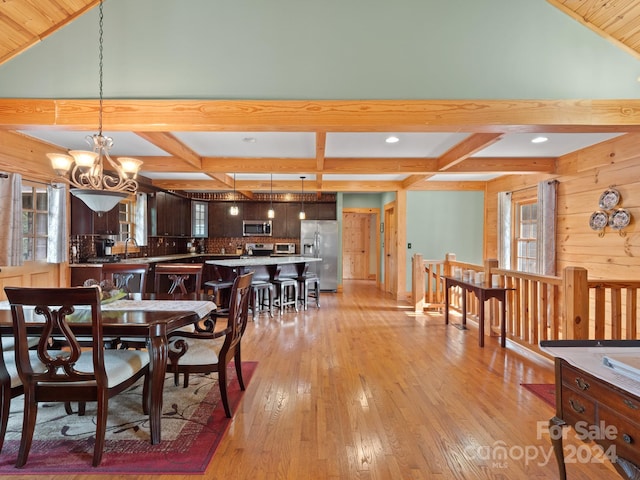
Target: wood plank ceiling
[[24, 23], [616, 20]]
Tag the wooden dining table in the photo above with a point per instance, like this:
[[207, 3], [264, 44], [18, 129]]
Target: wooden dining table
[[150, 316]]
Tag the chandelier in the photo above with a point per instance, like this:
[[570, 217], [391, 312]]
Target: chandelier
[[84, 170]]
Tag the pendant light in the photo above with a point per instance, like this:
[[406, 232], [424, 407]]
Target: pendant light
[[271, 212], [234, 210], [302, 215]]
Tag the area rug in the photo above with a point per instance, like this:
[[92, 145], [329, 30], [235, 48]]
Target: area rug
[[545, 391], [193, 423]]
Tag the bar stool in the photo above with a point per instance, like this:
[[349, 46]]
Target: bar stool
[[309, 287], [262, 297], [286, 293], [220, 289]]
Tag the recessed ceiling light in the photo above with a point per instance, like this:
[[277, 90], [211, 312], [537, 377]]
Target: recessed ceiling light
[[539, 140], [249, 139], [392, 139]]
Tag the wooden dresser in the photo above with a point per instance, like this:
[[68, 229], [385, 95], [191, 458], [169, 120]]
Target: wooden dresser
[[604, 413]]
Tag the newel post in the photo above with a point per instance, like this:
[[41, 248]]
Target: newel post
[[576, 300], [417, 283], [489, 263], [448, 269]]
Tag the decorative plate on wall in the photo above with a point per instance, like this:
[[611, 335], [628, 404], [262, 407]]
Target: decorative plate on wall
[[609, 198], [619, 219], [598, 220]]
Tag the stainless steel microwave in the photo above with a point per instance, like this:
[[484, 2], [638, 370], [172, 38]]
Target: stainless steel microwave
[[253, 228], [285, 248]]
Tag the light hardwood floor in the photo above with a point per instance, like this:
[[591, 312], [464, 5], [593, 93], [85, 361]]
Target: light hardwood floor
[[364, 389]]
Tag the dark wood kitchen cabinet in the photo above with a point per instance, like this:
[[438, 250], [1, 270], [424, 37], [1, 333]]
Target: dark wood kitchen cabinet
[[285, 224], [221, 223], [108, 223], [85, 221], [279, 222], [169, 215], [81, 217], [255, 210], [326, 211]]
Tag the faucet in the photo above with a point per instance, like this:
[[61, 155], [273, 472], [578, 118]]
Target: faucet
[[126, 244]]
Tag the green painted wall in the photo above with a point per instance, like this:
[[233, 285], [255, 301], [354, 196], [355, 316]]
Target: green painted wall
[[333, 49], [445, 222]]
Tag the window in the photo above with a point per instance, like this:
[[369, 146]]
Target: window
[[525, 236], [126, 224], [199, 224], [35, 222], [527, 229]]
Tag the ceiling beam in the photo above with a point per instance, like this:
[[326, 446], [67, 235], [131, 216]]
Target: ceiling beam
[[321, 140], [499, 116], [465, 149], [506, 165], [351, 166], [282, 185], [170, 144]]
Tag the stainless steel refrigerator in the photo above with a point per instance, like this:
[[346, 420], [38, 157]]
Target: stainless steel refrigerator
[[319, 238]]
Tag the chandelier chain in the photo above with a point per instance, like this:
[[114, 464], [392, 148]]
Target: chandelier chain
[[100, 56]]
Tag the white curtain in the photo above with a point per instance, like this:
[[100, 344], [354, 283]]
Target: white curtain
[[546, 228], [57, 251], [11, 220], [504, 230], [140, 220]]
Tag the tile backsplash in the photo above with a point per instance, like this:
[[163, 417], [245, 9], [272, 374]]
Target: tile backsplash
[[83, 247]]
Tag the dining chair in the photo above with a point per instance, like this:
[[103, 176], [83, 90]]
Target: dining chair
[[129, 277], [211, 352], [177, 275], [74, 374], [10, 387]]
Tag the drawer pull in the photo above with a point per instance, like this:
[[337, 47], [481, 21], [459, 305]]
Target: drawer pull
[[630, 404], [582, 385], [576, 406], [627, 438]]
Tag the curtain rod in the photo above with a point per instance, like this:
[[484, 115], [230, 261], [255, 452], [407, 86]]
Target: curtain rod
[[531, 187], [53, 184]]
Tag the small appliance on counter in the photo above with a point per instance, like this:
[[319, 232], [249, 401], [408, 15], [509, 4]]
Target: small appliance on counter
[[259, 249], [284, 249], [103, 251]]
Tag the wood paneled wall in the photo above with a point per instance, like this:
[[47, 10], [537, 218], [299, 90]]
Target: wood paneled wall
[[582, 177]]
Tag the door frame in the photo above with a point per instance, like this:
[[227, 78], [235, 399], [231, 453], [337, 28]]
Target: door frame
[[374, 213]]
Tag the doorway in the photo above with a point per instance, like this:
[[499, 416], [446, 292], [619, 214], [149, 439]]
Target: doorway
[[360, 244]]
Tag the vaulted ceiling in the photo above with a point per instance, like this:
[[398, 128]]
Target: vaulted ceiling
[[335, 145]]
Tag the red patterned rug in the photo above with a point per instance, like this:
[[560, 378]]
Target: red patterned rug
[[193, 423], [545, 391]]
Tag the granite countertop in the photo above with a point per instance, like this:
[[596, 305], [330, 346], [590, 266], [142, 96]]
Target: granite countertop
[[160, 258], [259, 260]]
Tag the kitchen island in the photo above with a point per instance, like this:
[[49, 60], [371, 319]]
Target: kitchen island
[[275, 266]]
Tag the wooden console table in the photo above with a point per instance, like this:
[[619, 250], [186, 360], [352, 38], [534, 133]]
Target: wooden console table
[[595, 398], [483, 293]]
